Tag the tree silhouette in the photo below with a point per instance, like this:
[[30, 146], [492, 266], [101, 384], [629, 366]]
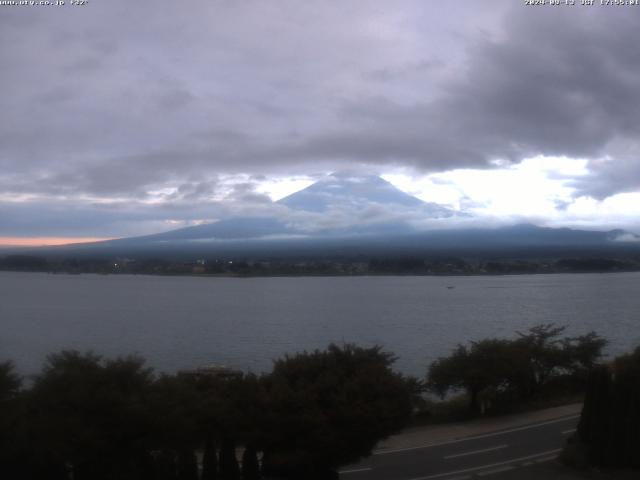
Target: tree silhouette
[[250, 465], [10, 381], [11, 422], [328, 408], [516, 369], [229, 468], [90, 415], [611, 413], [482, 365], [209, 460]]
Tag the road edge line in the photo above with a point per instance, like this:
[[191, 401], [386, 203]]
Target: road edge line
[[475, 437], [473, 469]]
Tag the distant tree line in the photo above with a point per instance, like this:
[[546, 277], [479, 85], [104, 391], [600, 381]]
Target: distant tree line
[[358, 265], [86, 417], [516, 370]]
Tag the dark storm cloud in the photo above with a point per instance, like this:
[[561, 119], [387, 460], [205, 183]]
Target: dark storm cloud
[[554, 84], [611, 176], [147, 93], [119, 100]]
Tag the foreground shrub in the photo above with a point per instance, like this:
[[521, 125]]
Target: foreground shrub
[[491, 371], [330, 408], [609, 428]]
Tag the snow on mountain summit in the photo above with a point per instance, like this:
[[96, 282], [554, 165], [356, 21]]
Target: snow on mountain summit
[[347, 189]]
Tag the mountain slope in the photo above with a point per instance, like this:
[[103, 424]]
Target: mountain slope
[[358, 205], [349, 190], [518, 241], [356, 214], [228, 229]]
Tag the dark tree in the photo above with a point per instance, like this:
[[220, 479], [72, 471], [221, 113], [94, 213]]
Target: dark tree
[[209, 460], [10, 382], [594, 427], [11, 416], [546, 355], [516, 369], [187, 465], [250, 465], [91, 415], [582, 353], [541, 346], [165, 465], [175, 405], [229, 469], [609, 424], [231, 412], [329, 408], [482, 365]]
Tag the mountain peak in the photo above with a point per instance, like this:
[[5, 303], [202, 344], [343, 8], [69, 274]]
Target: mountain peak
[[353, 176], [349, 188], [355, 204]]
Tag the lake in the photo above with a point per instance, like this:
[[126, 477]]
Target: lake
[[185, 322]]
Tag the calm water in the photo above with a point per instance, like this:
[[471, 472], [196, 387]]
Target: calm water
[[178, 322]]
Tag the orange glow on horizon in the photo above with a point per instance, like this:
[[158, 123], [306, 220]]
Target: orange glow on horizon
[[46, 241]]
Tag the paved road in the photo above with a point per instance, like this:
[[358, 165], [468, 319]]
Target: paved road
[[472, 457]]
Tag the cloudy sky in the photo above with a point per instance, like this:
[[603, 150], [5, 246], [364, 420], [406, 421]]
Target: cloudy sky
[[123, 118]]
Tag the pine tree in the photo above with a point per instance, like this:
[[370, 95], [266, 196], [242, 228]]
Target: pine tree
[[210, 461], [229, 469], [187, 465], [250, 465]]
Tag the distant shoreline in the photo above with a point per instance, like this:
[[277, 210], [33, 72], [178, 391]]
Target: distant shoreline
[[344, 266], [321, 275]]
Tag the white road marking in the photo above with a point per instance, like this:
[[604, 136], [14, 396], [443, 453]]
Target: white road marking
[[546, 459], [490, 449], [466, 439], [482, 467], [495, 470], [355, 470], [567, 432]]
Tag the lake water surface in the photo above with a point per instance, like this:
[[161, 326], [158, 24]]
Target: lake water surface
[[178, 322]]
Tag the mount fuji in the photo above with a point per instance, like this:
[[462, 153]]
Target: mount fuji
[[341, 204], [352, 214], [359, 191]]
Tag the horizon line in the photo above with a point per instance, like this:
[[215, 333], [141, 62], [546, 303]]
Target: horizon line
[[47, 241]]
